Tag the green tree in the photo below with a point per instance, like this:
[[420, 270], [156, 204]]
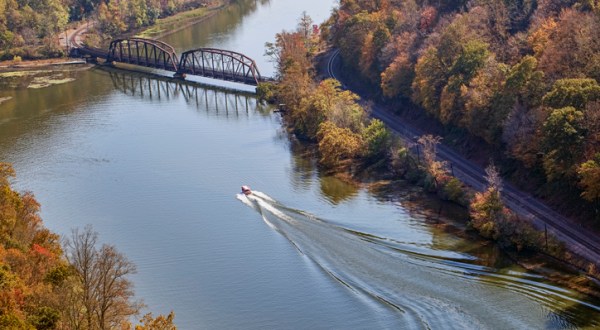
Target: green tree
[[340, 106], [377, 139], [563, 133], [471, 57], [575, 93]]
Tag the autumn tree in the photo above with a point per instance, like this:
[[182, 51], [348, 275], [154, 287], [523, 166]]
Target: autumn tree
[[110, 20], [573, 47], [337, 144], [361, 40], [29, 255], [589, 179], [487, 209], [105, 292], [397, 78], [443, 72], [435, 169], [160, 322]]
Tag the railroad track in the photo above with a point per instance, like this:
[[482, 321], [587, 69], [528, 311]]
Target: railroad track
[[581, 242]]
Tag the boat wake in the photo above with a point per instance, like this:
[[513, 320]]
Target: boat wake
[[424, 290]]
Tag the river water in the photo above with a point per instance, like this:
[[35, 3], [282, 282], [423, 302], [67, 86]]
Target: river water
[[156, 165]]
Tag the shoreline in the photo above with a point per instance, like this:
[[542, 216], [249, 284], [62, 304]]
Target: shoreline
[[7, 66], [187, 22], [574, 264]]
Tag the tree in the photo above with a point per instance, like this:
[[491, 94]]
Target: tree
[[110, 20], [377, 138], [161, 322], [470, 59], [105, 292], [563, 134], [81, 254], [486, 209], [589, 179], [398, 77], [337, 144], [430, 79], [340, 106], [305, 25], [435, 169], [573, 46], [572, 93]]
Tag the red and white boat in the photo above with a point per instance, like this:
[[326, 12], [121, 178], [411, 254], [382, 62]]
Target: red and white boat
[[246, 190]]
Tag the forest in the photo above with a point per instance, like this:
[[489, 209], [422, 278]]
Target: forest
[[348, 142], [519, 76], [30, 29]]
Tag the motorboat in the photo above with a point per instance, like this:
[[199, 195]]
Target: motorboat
[[246, 190]]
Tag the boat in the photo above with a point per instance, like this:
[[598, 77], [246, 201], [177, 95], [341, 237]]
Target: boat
[[246, 190]]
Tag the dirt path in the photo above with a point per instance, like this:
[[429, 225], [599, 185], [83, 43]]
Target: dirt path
[[579, 240]]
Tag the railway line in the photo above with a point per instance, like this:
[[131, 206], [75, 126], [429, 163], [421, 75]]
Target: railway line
[[579, 240]]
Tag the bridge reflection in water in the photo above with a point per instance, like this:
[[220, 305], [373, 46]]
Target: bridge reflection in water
[[210, 98]]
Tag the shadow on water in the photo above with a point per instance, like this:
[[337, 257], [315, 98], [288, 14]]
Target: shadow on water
[[427, 288]]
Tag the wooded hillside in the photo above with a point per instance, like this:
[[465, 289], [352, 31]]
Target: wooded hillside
[[520, 74], [30, 29]]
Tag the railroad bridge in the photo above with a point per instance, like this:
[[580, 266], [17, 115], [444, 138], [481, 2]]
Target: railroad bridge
[[205, 62]]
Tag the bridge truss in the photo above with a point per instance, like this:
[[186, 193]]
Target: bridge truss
[[144, 52], [220, 64]]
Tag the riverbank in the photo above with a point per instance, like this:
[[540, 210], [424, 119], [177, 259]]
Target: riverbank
[[573, 260], [6, 66], [169, 25]]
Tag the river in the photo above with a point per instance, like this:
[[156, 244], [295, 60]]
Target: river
[[156, 165]]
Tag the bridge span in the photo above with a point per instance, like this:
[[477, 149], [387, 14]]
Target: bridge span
[[205, 62]]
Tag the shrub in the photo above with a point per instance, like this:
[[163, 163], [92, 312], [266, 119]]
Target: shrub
[[377, 139], [266, 91], [453, 191]]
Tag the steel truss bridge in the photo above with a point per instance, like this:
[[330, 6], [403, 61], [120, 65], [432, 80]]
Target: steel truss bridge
[[205, 62]]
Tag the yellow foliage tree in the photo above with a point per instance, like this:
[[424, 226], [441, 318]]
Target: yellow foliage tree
[[589, 179], [337, 144]]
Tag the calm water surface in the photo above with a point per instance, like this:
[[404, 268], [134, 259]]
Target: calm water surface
[[156, 165]]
